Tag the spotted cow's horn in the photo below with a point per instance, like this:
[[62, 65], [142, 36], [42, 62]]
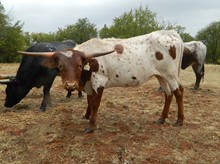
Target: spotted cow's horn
[[118, 48]]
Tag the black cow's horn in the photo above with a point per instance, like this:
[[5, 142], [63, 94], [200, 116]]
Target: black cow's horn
[[6, 76], [43, 54], [5, 81]]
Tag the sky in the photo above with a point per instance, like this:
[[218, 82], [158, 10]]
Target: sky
[[50, 15]]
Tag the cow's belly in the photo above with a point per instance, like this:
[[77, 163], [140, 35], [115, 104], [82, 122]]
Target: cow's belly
[[127, 78]]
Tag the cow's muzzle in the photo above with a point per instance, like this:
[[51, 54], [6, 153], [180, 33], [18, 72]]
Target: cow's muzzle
[[70, 86]]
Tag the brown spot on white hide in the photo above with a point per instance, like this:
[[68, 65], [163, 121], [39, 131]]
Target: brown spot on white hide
[[172, 52], [134, 78], [159, 55]]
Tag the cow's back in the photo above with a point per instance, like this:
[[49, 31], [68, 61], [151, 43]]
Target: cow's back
[[199, 48], [139, 60]]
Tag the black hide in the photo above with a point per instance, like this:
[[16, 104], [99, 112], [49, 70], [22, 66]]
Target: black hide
[[32, 74]]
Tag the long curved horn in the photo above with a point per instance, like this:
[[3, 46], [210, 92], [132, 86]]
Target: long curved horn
[[6, 76], [5, 81], [43, 54], [118, 48]]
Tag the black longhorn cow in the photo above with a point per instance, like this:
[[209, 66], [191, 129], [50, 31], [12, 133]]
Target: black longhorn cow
[[31, 73]]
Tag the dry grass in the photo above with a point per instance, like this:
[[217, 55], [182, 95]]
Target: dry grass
[[126, 132]]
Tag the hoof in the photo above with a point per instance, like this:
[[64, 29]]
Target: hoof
[[160, 121], [42, 109], [195, 88], [160, 90], [178, 123], [89, 130]]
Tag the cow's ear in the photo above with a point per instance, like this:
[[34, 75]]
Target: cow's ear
[[94, 65], [49, 63]]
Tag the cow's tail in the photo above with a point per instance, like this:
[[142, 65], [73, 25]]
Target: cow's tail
[[181, 58], [203, 72]]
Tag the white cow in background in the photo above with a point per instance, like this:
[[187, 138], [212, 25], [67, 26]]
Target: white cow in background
[[194, 55]]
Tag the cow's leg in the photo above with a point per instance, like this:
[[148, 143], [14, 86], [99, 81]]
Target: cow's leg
[[199, 74], [80, 94], [93, 103], [46, 91], [179, 99], [168, 99], [46, 99], [89, 109], [69, 93]]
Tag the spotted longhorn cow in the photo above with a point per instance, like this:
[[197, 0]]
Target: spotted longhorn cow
[[133, 62], [194, 55]]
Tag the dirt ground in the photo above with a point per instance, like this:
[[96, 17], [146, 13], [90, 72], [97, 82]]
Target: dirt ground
[[126, 132]]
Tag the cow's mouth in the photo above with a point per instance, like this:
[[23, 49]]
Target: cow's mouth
[[70, 86]]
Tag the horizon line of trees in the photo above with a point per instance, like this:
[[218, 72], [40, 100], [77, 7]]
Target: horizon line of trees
[[132, 23]]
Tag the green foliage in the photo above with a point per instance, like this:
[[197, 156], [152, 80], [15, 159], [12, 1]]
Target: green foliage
[[84, 31], [11, 38], [210, 35], [185, 36], [43, 37], [132, 23], [80, 32], [135, 22]]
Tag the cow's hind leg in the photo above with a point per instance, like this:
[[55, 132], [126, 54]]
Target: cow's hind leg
[[199, 75], [93, 105], [168, 99], [179, 99]]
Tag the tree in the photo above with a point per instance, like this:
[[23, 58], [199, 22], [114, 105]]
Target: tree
[[210, 35], [84, 31], [80, 32], [135, 22], [11, 37], [43, 37], [180, 29]]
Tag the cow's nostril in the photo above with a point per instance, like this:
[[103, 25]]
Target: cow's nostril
[[70, 86]]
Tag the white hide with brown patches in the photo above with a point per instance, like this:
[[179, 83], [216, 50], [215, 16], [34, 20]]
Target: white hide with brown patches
[[138, 62], [200, 51]]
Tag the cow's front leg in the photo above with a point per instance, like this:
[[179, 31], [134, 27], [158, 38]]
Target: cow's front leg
[[168, 99], [46, 98], [93, 105], [89, 109]]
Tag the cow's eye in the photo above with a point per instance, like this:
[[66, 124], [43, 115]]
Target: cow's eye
[[60, 67], [79, 66]]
